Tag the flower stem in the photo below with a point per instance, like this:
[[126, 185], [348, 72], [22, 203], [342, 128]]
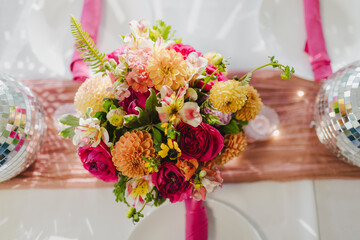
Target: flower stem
[[263, 66]]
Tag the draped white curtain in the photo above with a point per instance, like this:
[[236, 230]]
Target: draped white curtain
[[35, 38]]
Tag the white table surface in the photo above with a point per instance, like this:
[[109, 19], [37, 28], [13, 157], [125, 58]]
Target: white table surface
[[299, 210]]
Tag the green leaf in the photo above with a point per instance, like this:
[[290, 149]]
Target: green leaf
[[157, 136], [119, 189], [232, 128], [88, 112], [151, 101], [212, 119], [68, 132], [86, 46], [131, 121], [69, 120], [101, 116], [107, 105]]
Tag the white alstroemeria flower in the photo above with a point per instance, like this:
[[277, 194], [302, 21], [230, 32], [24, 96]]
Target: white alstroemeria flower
[[136, 190], [197, 63], [173, 107], [140, 28], [161, 43], [89, 131], [138, 42]]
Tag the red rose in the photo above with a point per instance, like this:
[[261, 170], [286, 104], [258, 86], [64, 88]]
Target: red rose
[[209, 70], [171, 183], [136, 99], [98, 161], [185, 50], [202, 143]]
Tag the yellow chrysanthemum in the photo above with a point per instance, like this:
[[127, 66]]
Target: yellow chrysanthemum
[[228, 96], [167, 67], [252, 105], [234, 145], [91, 94]]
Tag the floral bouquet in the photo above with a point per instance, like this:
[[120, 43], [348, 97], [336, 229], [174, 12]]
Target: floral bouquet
[[159, 116]]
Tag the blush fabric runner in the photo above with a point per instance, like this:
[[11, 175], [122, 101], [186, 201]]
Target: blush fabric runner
[[294, 154]]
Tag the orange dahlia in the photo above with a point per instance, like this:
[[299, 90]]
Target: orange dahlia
[[234, 145], [129, 153], [167, 67], [252, 105]]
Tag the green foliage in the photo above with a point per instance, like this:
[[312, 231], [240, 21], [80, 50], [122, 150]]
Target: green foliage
[[211, 119], [68, 132], [156, 136], [119, 189], [161, 30], [232, 128], [109, 104], [69, 120], [86, 46], [146, 116]]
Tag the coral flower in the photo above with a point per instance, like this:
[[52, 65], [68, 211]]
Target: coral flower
[[228, 96], [129, 153], [138, 78], [91, 94], [252, 105], [187, 167], [167, 67]]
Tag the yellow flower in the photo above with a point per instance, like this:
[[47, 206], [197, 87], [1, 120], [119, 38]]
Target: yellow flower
[[167, 67], [170, 150], [91, 94], [228, 96], [252, 105]]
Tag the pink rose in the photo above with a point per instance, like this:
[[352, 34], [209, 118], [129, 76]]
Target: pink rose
[[209, 70], [136, 99], [202, 143], [171, 183], [185, 50], [115, 54], [97, 160]]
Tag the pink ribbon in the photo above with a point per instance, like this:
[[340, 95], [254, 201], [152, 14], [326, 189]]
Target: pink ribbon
[[315, 45], [196, 220], [90, 21]]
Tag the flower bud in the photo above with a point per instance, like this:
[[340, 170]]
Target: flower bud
[[202, 173], [214, 58], [131, 212], [116, 117]]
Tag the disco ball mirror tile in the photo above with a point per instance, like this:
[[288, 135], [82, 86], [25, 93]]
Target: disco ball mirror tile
[[22, 126], [337, 113]]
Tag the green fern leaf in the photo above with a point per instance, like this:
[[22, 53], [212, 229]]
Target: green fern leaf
[[86, 46]]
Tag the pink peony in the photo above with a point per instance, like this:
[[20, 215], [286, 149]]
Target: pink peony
[[202, 143], [185, 50], [97, 160], [136, 99], [171, 183], [209, 70]]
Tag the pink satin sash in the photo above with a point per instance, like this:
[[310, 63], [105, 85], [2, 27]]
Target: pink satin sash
[[315, 45], [90, 21]]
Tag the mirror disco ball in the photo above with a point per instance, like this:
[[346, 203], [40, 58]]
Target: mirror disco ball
[[337, 113], [22, 127]]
